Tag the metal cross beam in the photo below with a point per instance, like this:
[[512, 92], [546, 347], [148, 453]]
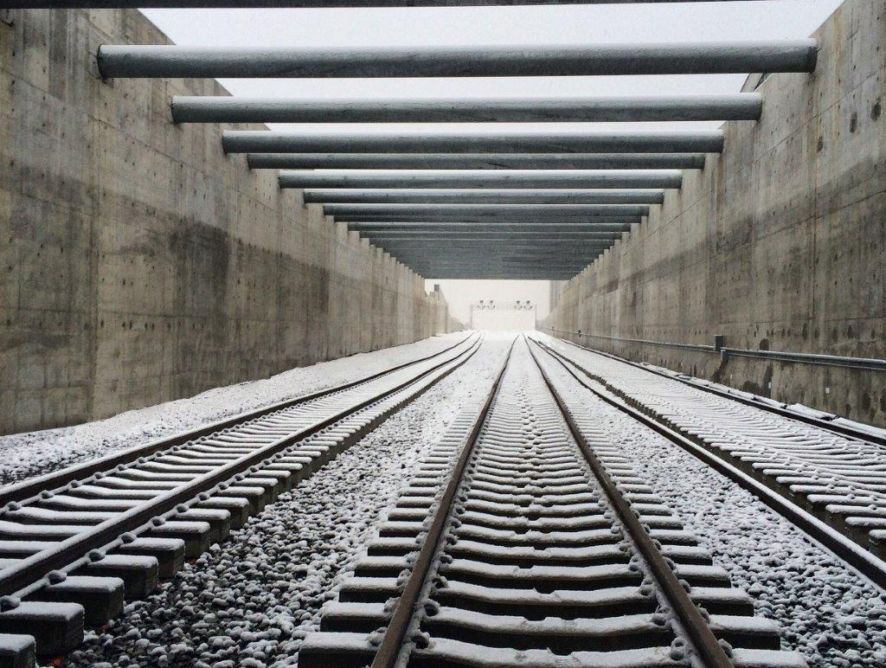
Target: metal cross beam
[[486, 236], [607, 223], [422, 210], [420, 140], [471, 196], [483, 253], [228, 109], [607, 231], [517, 273], [501, 179], [457, 61], [325, 4], [473, 161]]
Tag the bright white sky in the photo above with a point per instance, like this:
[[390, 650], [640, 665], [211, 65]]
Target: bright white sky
[[679, 22]]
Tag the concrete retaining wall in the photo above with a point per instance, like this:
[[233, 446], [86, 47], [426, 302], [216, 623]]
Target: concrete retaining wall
[[139, 263], [779, 243]]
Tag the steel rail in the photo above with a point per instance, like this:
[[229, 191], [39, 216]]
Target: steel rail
[[480, 196], [25, 576], [703, 639], [841, 546], [33, 486], [491, 140], [457, 61], [842, 430], [401, 619], [486, 161], [231, 109]]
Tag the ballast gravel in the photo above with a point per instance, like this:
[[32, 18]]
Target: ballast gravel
[[249, 601], [33, 453], [826, 610]]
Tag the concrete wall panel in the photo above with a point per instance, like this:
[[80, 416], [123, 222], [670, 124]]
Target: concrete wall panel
[[140, 263], [779, 243]]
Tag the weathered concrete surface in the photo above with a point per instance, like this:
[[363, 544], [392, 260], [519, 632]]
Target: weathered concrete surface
[[778, 243], [139, 263]]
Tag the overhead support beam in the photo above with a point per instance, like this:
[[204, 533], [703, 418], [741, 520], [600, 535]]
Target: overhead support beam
[[478, 196], [321, 4], [606, 223], [462, 249], [588, 236], [525, 210], [420, 140], [457, 249], [504, 274], [501, 179], [486, 236], [457, 61], [468, 255], [229, 109], [608, 231], [474, 161]]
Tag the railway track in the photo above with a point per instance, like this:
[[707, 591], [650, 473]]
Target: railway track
[[832, 484], [75, 543], [525, 538]]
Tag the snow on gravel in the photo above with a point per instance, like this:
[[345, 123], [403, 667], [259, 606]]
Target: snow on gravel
[[33, 453], [827, 611], [249, 601]]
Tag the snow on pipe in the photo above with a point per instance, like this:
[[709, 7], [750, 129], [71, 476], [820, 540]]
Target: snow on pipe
[[589, 210], [602, 231], [597, 222], [457, 61], [484, 140], [480, 246], [255, 4], [501, 179], [588, 235], [486, 236], [474, 161], [477, 196], [228, 109]]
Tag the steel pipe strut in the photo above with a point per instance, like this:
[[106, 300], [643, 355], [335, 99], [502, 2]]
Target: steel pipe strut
[[325, 4], [495, 228], [489, 234], [486, 209], [229, 109], [588, 237], [473, 250], [475, 161], [514, 236], [484, 140], [457, 61], [503, 179], [607, 223], [477, 196]]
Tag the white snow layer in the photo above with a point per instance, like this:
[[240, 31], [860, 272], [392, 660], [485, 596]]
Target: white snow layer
[[32, 453]]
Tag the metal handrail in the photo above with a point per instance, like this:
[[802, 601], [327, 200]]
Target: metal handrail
[[816, 359]]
